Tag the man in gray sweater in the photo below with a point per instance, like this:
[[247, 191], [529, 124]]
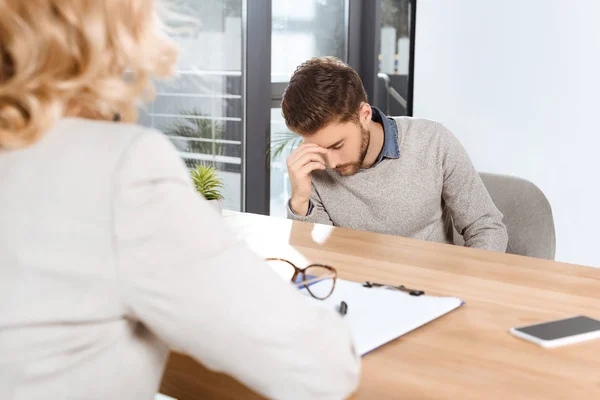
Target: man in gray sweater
[[358, 168]]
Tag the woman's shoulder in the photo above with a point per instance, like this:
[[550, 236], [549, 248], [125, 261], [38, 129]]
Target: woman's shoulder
[[107, 137], [99, 131], [112, 145]]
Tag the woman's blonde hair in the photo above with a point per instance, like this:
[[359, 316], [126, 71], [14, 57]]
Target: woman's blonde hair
[[87, 58]]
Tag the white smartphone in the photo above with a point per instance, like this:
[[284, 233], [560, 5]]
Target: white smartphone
[[560, 332]]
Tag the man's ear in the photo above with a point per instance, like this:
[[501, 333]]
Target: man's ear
[[365, 113]]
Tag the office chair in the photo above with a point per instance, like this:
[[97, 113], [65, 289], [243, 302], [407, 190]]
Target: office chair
[[527, 216]]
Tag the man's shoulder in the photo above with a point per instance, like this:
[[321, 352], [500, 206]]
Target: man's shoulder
[[425, 139], [420, 132], [414, 121], [419, 126]]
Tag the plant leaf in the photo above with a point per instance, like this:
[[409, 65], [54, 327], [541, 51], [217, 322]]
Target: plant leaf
[[207, 181], [281, 141]]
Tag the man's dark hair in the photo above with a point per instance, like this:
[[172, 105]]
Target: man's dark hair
[[322, 90]]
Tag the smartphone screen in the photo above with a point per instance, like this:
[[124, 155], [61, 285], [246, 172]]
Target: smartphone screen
[[562, 328]]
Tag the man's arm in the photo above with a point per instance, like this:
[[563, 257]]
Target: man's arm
[[305, 204], [317, 214], [474, 213]]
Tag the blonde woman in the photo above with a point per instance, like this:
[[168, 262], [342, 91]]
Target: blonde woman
[[108, 257]]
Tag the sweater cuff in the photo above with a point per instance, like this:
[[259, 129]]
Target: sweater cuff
[[293, 212]]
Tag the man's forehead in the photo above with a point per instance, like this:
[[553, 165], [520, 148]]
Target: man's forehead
[[330, 135], [323, 142]]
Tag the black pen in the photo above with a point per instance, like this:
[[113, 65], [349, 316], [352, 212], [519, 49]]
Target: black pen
[[402, 288], [343, 308]]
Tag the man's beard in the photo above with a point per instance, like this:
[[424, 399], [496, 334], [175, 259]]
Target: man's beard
[[352, 168]]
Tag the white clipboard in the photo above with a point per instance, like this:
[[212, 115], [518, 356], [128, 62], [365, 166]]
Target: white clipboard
[[377, 316]]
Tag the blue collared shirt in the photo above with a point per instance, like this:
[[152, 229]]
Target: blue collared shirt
[[391, 148]]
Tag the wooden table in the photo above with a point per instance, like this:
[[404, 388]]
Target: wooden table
[[467, 354]]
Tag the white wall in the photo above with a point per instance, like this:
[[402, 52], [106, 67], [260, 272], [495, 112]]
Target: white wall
[[518, 81]]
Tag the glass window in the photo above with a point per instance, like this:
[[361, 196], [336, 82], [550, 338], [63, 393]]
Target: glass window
[[201, 109], [283, 143], [394, 56], [301, 29]]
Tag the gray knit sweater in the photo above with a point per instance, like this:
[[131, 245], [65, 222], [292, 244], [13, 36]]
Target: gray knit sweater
[[418, 195]]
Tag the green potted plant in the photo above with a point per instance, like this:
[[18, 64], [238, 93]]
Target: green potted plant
[[208, 184]]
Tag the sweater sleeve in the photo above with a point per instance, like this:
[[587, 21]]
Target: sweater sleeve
[[474, 214], [317, 214]]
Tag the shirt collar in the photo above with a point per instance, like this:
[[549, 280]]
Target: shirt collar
[[391, 148]]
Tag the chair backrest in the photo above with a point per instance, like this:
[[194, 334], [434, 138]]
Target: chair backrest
[[527, 216]]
